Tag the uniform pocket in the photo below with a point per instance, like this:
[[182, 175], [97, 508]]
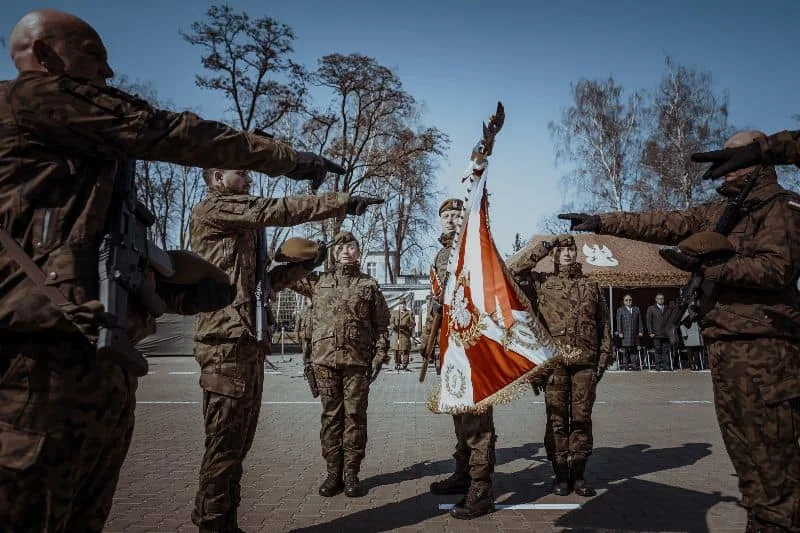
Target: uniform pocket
[[19, 448], [225, 385]]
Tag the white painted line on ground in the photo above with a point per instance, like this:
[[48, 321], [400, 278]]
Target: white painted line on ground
[[690, 401], [273, 372], [541, 402], [409, 403], [290, 403], [179, 403], [151, 372], [183, 373], [525, 506]]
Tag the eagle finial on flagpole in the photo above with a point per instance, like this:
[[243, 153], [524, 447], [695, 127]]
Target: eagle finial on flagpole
[[484, 148]]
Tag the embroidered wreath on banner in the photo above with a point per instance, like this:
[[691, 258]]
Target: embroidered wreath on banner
[[465, 325], [454, 381]]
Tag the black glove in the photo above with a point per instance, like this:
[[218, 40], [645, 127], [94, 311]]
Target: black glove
[[202, 297], [600, 371], [357, 205], [314, 168], [680, 260], [729, 159], [581, 221]]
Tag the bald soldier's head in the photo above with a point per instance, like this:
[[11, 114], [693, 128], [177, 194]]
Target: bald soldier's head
[[46, 40], [737, 140]]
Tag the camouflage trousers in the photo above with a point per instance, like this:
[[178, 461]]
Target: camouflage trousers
[[401, 358], [344, 393], [760, 422], [475, 444], [232, 379], [569, 398], [66, 422]]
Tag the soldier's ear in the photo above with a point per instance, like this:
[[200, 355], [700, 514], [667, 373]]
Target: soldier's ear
[[217, 178]]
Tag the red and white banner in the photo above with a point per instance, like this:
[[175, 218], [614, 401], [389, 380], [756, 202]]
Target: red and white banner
[[490, 341]]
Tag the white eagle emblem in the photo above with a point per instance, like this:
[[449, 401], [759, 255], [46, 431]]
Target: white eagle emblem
[[599, 255]]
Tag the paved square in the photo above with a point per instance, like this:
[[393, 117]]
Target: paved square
[[659, 462]]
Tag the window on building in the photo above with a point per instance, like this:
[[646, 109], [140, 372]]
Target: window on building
[[372, 269]]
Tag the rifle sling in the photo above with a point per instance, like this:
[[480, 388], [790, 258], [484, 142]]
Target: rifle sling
[[31, 269]]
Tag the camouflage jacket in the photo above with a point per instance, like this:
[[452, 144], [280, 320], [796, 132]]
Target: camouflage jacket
[[401, 324], [571, 306], [756, 289], [223, 230], [303, 331], [439, 269], [59, 140], [349, 318]]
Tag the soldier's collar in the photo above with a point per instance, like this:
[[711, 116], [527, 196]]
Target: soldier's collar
[[349, 269], [447, 239]]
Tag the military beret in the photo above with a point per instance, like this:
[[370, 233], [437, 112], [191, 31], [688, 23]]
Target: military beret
[[190, 268], [451, 204], [296, 250], [565, 241], [343, 237], [707, 243]]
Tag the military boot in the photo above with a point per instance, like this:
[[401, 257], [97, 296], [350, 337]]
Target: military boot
[[458, 483], [352, 486], [561, 482], [233, 522], [219, 525], [478, 502], [579, 484], [332, 485]]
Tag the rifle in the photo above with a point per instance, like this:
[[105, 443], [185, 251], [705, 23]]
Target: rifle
[[697, 297], [264, 317], [433, 335], [126, 254]]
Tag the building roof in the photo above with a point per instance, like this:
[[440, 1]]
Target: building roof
[[619, 262]]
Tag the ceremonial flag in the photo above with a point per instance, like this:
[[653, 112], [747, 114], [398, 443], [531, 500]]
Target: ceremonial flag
[[490, 341]]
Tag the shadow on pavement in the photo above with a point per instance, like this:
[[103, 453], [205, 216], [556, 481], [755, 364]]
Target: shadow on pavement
[[641, 505]]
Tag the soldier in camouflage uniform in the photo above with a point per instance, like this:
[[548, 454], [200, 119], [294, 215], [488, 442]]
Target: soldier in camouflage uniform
[[224, 230], [402, 325], [303, 331], [575, 313], [475, 434], [350, 339], [751, 326], [66, 418]]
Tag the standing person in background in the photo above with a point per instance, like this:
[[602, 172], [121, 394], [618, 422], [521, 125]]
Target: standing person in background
[[629, 330], [402, 326], [658, 326]]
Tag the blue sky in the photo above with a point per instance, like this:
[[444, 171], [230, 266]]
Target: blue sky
[[459, 57]]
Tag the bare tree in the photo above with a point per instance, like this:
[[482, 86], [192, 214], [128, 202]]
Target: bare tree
[[169, 191], [553, 225], [688, 116], [244, 55], [597, 136], [371, 127], [249, 62]]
